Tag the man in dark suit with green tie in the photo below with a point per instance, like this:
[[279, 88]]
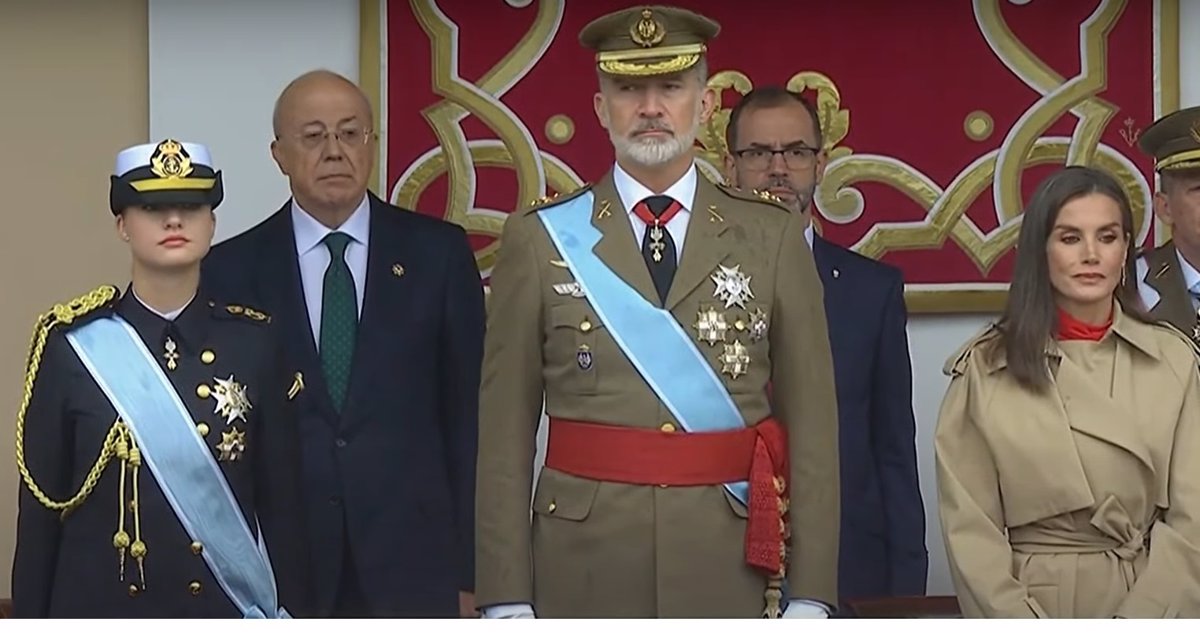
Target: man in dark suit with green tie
[[385, 316]]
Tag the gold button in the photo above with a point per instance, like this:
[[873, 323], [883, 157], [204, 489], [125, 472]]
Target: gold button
[[202, 429], [207, 357], [586, 326], [667, 427], [133, 591], [194, 587], [203, 391], [552, 507], [197, 547], [740, 325]]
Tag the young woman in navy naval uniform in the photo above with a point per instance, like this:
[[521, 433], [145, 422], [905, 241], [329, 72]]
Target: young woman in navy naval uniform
[[127, 513]]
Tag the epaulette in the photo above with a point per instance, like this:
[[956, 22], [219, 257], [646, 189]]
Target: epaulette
[[241, 311], [956, 365], [81, 307], [554, 199], [1177, 333], [754, 195]]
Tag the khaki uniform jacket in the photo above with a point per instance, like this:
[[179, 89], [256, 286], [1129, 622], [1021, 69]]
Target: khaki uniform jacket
[[1083, 501], [1164, 276], [613, 550]]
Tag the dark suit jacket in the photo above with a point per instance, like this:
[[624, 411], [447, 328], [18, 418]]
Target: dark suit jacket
[[394, 474], [883, 518]]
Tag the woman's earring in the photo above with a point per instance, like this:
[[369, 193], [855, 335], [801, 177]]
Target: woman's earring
[[1124, 272]]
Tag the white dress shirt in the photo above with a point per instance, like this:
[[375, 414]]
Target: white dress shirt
[[314, 257], [632, 192]]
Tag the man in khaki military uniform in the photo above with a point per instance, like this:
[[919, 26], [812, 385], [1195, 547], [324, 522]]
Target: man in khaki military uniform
[[1169, 276], [677, 333]]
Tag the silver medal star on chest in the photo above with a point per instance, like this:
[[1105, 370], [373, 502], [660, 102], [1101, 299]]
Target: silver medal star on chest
[[232, 403], [733, 286]]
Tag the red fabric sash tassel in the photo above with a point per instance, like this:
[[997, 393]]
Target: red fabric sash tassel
[[648, 457]]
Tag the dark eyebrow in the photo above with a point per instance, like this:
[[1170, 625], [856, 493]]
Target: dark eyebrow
[[1068, 227]]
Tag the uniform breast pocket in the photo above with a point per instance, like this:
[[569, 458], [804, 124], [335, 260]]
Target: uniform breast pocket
[[570, 351]]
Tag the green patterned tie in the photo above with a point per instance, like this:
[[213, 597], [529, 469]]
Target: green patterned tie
[[339, 319]]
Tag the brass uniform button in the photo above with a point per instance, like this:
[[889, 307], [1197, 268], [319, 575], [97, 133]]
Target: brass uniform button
[[194, 587], [203, 391], [586, 326], [552, 507], [202, 429], [133, 591], [207, 357], [667, 427], [197, 547]]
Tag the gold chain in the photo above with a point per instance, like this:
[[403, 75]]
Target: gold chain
[[63, 314]]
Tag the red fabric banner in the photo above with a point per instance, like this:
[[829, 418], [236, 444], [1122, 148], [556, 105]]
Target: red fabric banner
[[940, 120]]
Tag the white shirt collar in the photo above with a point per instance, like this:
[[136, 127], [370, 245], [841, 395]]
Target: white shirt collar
[[808, 235], [1190, 276], [170, 316], [309, 232], [632, 192]]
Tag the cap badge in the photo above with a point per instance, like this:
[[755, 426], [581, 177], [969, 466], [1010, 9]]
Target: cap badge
[[170, 160], [647, 31]]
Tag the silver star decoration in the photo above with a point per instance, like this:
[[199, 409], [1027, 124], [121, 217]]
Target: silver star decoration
[[758, 324], [232, 403], [733, 287]]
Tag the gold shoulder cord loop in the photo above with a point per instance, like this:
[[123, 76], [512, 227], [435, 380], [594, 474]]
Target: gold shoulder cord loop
[[116, 442]]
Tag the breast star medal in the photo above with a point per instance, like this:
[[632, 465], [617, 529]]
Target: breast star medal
[[733, 286], [233, 444], [171, 353], [232, 403], [735, 361], [711, 326]]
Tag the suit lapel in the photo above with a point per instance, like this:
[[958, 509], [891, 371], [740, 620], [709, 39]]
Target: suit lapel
[[617, 248], [384, 295], [278, 260], [1174, 305], [703, 246]]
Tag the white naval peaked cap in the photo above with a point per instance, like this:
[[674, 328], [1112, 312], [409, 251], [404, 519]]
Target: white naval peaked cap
[[139, 156]]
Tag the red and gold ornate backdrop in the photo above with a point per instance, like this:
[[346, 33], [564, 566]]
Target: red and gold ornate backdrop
[[939, 121]]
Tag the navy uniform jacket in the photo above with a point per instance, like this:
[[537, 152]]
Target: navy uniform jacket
[[883, 517], [394, 474], [69, 568]]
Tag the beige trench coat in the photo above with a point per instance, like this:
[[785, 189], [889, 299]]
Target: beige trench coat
[[1084, 501], [600, 549]]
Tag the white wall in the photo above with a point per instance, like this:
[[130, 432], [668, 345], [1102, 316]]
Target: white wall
[[222, 95], [215, 70]]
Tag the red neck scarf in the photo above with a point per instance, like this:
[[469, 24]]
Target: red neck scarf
[[1072, 329]]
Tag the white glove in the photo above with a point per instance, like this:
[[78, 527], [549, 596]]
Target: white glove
[[797, 609], [520, 611]]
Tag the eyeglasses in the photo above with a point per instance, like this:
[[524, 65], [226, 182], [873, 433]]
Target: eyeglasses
[[756, 158], [349, 137]]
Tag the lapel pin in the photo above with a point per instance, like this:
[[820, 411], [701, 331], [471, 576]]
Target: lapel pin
[[558, 263], [297, 386], [604, 211], [713, 216], [1162, 270], [398, 270], [836, 273]]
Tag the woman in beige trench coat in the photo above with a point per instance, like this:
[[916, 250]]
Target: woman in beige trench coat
[[1068, 443]]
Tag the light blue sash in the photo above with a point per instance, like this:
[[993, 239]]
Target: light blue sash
[[650, 337], [180, 461]]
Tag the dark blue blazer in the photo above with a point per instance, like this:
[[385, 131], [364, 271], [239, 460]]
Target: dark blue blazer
[[882, 549], [394, 474]]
